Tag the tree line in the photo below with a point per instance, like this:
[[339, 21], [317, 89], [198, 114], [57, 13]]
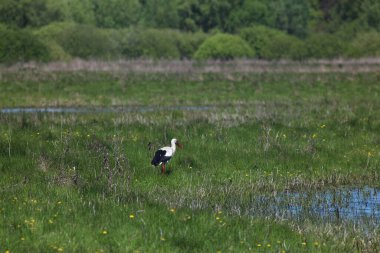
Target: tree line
[[55, 28]]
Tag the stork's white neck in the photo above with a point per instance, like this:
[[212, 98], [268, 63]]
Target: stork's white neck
[[173, 145]]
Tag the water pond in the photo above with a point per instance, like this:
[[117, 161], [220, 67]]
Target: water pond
[[357, 205]]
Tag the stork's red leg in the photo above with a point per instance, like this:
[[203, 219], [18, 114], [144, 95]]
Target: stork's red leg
[[163, 168]]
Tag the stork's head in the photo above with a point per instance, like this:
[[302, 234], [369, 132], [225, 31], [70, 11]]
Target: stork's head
[[176, 143]]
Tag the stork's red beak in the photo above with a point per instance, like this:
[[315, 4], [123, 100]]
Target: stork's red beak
[[179, 144]]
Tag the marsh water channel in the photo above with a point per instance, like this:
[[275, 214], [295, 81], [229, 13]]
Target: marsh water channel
[[359, 205], [352, 204], [123, 109]]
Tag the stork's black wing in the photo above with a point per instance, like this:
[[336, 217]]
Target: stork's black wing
[[158, 156]]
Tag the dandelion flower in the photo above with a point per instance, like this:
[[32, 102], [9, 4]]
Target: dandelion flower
[[258, 245], [132, 216], [60, 249], [104, 232], [268, 245], [22, 239], [172, 210]]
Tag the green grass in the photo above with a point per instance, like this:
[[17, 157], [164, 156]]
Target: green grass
[[71, 181]]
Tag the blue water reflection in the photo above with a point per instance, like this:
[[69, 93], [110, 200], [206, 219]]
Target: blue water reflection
[[348, 204], [103, 109]]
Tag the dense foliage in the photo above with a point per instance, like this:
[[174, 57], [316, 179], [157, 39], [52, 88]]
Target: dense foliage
[[224, 46], [159, 28], [20, 46]]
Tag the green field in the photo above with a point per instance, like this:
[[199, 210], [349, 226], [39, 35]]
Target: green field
[[82, 182]]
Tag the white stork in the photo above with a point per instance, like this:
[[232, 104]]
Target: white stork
[[163, 155]]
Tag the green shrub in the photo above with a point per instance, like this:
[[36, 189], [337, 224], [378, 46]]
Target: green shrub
[[87, 42], [324, 46], [188, 43], [49, 35], [21, 45], [157, 44], [225, 47], [3, 26], [150, 43], [270, 43], [258, 37], [364, 45], [348, 31], [284, 46]]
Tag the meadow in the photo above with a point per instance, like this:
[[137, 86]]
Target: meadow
[[82, 182]]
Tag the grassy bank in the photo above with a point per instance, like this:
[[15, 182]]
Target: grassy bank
[[83, 182]]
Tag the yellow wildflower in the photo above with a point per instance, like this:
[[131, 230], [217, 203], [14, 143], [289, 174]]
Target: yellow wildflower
[[104, 232], [132, 216]]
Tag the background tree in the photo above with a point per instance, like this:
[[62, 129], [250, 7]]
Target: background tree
[[116, 13], [159, 13], [28, 13]]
